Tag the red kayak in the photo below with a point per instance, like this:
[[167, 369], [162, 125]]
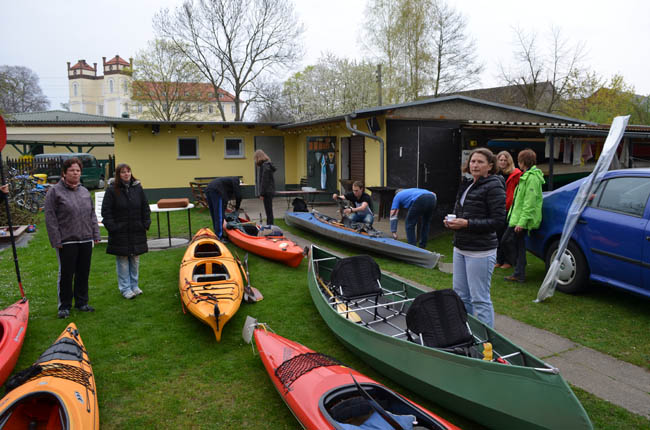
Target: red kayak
[[266, 241], [323, 394], [13, 322]]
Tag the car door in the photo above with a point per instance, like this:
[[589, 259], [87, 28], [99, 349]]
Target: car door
[[612, 231]]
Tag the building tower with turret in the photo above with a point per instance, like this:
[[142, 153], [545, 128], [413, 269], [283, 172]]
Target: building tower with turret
[[107, 95]]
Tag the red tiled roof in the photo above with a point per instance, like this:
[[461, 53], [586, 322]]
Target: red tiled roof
[[81, 64], [192, 88], [117, 60]]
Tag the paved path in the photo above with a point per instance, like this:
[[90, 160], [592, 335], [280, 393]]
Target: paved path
[[616, 381]]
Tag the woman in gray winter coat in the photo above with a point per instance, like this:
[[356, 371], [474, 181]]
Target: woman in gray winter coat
[[126, 216], [266, 182]]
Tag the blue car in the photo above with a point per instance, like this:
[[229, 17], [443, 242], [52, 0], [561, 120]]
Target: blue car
[[611, 241]]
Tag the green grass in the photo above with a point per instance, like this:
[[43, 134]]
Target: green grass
[[157, 367]]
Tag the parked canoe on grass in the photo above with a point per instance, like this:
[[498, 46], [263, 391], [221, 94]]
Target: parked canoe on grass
[[266, 241], [210, 281], [323, 394], [13, 323], [504, 387], [57, 392], [327, 226]]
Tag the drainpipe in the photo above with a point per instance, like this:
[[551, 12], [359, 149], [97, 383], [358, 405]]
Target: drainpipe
[[371, 136]]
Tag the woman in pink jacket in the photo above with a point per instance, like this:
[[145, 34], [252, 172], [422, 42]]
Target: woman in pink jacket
[[506, 168]]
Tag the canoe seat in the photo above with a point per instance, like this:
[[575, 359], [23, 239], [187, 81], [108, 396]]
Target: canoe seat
[[356, 277], [439, 320]]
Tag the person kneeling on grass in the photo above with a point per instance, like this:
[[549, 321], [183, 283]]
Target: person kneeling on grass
[[361, 203]]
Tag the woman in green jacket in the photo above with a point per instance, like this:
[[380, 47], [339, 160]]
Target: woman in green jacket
[[526, 211]]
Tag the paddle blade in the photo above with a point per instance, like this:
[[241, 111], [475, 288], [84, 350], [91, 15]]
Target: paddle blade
[[249, 327]]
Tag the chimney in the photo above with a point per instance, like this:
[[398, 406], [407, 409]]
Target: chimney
[[68, 66]]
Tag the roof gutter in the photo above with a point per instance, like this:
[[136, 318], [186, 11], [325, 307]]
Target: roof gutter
[[371, 136]]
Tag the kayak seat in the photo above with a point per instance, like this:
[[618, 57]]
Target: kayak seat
[[356, 277], [439, 320], [353, 410], [204, 250], [249, 229], [211, 277], [270, 230]]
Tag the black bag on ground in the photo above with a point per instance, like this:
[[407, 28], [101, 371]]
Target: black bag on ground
[[356, 277], [299, 205], [440, 317]]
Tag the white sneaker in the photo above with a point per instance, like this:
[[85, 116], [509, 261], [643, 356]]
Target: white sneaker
[[129, 295], [137, 291]]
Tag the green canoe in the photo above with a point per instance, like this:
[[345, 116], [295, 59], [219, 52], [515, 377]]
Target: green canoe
[[525, 393]]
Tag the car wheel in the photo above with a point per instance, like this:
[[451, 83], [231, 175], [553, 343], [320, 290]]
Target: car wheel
[[573, 273], [101, 183]]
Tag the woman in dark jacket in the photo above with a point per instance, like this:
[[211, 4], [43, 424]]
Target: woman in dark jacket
[[266, 182], [480, 211], [126, 214]]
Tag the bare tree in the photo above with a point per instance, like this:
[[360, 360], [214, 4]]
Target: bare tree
[[423, 47], [544, 78], [271, 105], [20, 91], [167, 83], [456, 63], [234, 41]]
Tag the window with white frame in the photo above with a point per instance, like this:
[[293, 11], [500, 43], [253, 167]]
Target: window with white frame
[[124, 86], [75, 89], [234, 147], [188, 147], [210, 108], [232, 108], [199, 108], [110, 86], [100, 109]]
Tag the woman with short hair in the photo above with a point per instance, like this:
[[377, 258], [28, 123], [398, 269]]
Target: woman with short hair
[[73, 230]]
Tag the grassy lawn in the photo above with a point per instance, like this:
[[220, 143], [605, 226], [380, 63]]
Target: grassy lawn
[[157, 368]]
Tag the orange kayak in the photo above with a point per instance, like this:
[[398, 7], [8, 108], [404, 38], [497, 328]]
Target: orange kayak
[[57, 392], [210, 281], [269, 243], [13, 323]]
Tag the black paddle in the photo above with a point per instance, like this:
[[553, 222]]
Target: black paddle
[[3, 142], [251, 294], [377, 407]]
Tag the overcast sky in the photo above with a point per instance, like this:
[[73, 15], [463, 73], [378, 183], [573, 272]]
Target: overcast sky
[[45, 34]]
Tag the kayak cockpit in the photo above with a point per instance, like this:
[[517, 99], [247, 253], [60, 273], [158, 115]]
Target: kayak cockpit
[[210, 271], [40, 410], [346, 408]]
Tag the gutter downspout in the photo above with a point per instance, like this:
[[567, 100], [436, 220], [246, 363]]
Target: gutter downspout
[[371, 136]]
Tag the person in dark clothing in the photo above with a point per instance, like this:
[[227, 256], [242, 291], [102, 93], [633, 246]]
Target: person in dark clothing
[[266, 184], [421, 205], [218, 193], [126, 216], [506, 169], [72, 229], [361, 204], [4, 191], [480, 211]]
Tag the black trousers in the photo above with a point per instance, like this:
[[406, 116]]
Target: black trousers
[[74, 269], [268, 208]]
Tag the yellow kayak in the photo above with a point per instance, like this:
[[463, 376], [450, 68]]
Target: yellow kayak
[[210, 281], [56, 392]]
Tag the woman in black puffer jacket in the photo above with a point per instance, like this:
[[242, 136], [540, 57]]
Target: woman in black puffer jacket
[[126, 216], [480, 212]]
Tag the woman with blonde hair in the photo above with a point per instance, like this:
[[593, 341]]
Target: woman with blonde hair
[[506, 168], [266, 183]]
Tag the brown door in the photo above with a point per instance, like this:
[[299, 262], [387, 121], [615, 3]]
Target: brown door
[[357, 158]]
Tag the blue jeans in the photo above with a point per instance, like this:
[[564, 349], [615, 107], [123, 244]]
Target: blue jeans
[[367, 218], [127, 272], [422, 208], [471, 281], [217, 209]]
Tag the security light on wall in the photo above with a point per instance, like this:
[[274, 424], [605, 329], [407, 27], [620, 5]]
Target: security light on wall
[[214, 135], [128, 133]]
